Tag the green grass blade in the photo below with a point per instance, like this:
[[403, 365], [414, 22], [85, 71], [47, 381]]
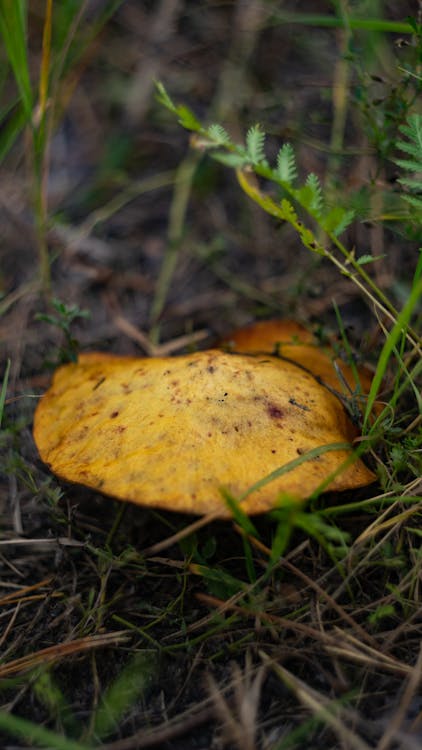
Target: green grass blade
[[37, 735], [239, 515], [370, 505], [13, 30], [418, 272], [11, 130], [308, 456], [4, 390], [333, 22], [389, 346], [282, 536], [70, 46]]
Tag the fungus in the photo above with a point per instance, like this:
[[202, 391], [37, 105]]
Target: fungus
[[173, 432], [290, 341]]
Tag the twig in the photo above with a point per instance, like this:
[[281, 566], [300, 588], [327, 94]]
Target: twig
[[59, 651]]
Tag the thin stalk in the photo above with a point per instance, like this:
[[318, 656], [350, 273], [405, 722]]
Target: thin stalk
[[182, 190], [335, 22], [377, 296], [389, 345], [40, 144], [45, 59], [40, 210], [340, 95]]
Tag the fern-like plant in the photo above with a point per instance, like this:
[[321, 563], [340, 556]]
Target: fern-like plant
[[413, 164], [303, 206]]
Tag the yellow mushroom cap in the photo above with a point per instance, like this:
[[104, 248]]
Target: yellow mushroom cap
[[294, 343], [173, 432]]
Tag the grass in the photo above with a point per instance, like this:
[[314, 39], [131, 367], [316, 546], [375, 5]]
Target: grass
[[37, 104], [123, 627]]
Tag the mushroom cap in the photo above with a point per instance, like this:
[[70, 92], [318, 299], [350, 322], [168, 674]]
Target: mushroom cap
[[293, 342], [265, 335], [173, 432]]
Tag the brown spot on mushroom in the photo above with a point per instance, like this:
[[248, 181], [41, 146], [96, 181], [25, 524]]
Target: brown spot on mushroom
[[274, 411]]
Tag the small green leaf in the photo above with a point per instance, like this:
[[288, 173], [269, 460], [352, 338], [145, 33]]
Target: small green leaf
[[163, 97], [408, 147], [185, 116], [255, 140], [219, 135], [410, 164], [286, 164], [187, 119], [316, 202], [124, 692], [48, 692], [288, 211], [413, 130], [383, 611], [363, 260], [413, 200], [337, 220]]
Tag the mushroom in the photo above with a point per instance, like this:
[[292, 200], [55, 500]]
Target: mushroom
[[176, 432], [293, 342]]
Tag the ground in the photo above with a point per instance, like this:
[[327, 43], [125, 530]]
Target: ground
[[124, 627]]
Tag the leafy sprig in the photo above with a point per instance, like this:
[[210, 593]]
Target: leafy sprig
[[63, 319], [303, 206], [413, 147], [251, 157]]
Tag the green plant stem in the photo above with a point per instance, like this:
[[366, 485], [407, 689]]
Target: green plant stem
[[41, 221], [40, 142], [36, 734], [133, 190], [376, 295], [182, 189], [334, 22], [340, 97], [390, 343], [3, 390]]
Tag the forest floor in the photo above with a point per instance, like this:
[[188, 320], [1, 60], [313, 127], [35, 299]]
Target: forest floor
[[114, 632]]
